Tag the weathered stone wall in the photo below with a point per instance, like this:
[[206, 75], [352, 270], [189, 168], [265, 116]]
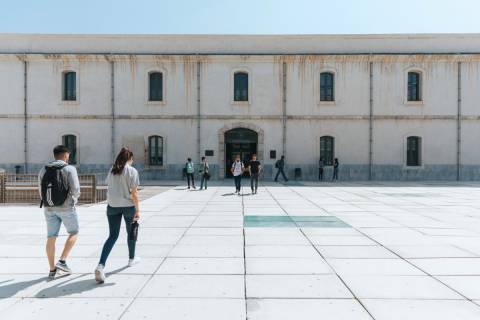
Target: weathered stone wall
[[199, 89]]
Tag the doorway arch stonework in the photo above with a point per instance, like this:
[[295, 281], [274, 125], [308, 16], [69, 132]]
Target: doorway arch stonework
[[221, 143]]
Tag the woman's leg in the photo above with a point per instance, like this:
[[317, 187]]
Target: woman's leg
[[128, 214], [114, 223]]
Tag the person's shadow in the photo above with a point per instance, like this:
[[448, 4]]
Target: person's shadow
[[8, 289], [68, 287], [11, 289]]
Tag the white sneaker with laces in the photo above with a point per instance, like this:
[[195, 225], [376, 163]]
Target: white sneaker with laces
[[134, 261], [100, 274]]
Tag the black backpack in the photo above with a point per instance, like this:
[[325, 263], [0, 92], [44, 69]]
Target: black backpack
[[277, 164], [54, 189]]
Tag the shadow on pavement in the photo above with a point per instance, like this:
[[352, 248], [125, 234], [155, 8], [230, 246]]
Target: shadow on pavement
[[68, 287], [11, 289]]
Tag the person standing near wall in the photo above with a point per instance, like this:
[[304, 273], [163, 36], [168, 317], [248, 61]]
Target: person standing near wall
[[280, 165], [204, 173], [122, 200], [321, 164], [237, 171], [254, 168], [59, 192], [190, 171], [336, 164]]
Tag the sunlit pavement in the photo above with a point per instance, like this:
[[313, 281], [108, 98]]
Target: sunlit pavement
[[308, 251]]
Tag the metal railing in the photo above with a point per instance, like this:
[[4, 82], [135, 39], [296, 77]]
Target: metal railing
[[23, 188]]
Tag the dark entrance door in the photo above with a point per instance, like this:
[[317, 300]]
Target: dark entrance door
[[241, 142]]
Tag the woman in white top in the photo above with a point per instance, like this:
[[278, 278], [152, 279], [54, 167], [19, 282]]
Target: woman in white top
[[237, 171], [122, 200]]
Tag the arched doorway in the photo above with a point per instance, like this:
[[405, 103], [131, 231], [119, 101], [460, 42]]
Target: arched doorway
[[239, 141]]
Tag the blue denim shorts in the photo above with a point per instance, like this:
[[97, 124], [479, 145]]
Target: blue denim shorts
[[55, 219]]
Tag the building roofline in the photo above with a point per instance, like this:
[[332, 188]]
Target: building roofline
[[237, 44]]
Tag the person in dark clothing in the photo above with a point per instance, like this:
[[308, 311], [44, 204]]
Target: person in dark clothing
[[254, 167], [335, 169], [204, 173], [321, 164], [190, 171], [280, 165]]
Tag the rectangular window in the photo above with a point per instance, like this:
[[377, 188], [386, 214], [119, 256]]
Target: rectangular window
[[69, 86], [413, 86], [273, 154], [156, 86], [327, 150], [70, 141], [327, 86], [155, 150], [240, 86], [413, 151], [209, 153]]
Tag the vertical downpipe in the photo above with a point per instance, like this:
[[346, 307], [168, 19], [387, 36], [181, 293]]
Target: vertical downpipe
[[459, 120], [370, 124], [112, 105], [199, 149], [284, 109], [25, 116]]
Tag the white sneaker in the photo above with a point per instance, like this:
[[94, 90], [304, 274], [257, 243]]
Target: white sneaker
[[134, 261], [100, 274]]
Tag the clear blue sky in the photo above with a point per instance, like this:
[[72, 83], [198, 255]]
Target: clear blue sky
[[239, 16]]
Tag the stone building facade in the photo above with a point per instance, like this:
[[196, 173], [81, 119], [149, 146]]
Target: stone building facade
[[389, 107]]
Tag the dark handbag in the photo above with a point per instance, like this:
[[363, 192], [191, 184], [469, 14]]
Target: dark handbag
[[207, 175], [133, 235]]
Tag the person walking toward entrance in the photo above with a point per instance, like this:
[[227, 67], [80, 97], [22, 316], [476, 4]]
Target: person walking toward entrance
[[122, 200], [190, 171], [254, 168], [321, 164], [204, 173], [237, 171], [335, 169], [59, 192], [280, 165]]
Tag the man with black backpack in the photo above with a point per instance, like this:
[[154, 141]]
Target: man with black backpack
[[280, 165], [59, 191]]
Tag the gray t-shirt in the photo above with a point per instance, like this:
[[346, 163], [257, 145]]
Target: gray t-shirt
[[119, 186]]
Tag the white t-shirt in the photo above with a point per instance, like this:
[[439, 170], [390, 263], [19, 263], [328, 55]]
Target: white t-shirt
[[237, 168]]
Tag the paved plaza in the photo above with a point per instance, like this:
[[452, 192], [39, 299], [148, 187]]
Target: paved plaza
[[383, 251]]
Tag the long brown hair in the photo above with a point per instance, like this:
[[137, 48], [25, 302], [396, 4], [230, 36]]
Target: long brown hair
[[123, 157]]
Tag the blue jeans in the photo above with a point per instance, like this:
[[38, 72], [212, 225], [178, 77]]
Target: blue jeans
[[114, 216], [203, 182], [238, 182]]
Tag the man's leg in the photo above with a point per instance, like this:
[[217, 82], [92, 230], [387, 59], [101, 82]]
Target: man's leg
[[276, 176], [252, 177], [188, 180], [53, 227], [50, 248], [68, 246], [256, 182], [70, 221], [193, 181], [284, 176]]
